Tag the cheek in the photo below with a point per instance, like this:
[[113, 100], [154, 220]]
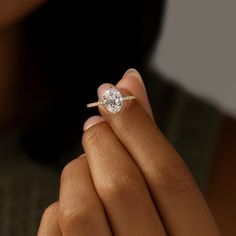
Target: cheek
[[12, 11]]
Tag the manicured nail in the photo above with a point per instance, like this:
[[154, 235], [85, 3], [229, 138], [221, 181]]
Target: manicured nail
[[93, 120]]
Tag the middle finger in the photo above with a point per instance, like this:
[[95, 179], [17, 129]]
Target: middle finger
[[120, 184]]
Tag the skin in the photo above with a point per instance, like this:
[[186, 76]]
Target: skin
[[12, 11], [141, 186], [12, 103], [222, 188], [142, 183]]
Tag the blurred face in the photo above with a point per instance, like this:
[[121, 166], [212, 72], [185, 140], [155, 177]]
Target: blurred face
[[12, 11]]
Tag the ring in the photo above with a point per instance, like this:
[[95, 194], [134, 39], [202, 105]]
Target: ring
[[112, 100]]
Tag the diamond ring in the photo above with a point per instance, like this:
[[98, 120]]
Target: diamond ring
[[112, 100]]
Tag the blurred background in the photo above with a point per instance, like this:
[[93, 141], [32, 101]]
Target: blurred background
[[197, 49], [52, 63]]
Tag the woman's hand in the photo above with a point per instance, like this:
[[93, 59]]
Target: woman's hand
[[130, 181]]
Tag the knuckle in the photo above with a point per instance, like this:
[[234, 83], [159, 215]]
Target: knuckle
[[120, 188], [68, 169], [68, 219], [50, 211], [173, 178], [127, 129], [77, 217], [72, 167], [92, 135]]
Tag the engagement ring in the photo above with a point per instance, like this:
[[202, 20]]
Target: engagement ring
[[112, 100]]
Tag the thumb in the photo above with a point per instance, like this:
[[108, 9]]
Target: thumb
[[132, 83]]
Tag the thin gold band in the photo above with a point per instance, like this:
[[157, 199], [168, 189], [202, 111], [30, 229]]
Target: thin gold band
[[100, 102]]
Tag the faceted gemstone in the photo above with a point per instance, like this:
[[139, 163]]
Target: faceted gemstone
[[112, 100]]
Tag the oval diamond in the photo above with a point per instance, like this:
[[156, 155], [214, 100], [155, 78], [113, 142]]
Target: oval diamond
[[112, 100]]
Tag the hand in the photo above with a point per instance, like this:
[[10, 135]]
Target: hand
[[130, 181]]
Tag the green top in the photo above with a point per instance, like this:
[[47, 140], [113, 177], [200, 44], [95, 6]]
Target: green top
[[27, 187]]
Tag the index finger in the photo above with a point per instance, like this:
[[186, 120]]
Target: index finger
[[176, 195]]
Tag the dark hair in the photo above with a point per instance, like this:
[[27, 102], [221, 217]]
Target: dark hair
[[78, 47]]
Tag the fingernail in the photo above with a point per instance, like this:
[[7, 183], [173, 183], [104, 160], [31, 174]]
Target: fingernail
[[138, 76], [93, 120]]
